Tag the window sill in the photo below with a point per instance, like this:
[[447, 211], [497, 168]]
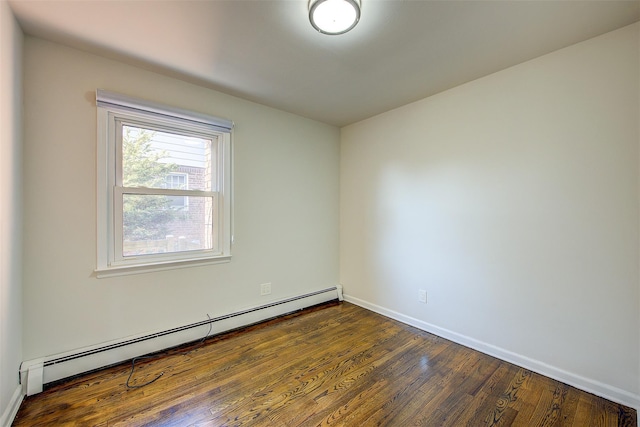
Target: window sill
[[125, 270]]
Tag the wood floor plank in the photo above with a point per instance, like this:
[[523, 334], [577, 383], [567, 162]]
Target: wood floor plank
[[534, 389], [332, 365], [547, 412], [489, 394], [503, 408]]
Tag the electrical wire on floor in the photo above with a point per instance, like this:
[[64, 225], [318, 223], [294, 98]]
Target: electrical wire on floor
[[153, 356]]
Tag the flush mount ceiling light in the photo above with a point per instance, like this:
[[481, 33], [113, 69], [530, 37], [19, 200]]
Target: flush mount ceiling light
[[334, 16]]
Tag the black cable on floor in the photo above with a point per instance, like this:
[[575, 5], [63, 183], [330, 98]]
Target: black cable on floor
[[135, 359]]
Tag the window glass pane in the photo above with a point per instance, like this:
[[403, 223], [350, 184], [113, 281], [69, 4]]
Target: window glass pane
[[153, 225], [155, 159]]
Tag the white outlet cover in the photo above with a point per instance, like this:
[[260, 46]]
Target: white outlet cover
[[265, 289], [422, 296]]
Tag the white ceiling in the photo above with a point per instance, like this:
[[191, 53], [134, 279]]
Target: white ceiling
[[266, 51]]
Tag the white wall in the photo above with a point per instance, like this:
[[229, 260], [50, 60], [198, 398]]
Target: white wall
[[286, 208], [513, 200], [10, 212]]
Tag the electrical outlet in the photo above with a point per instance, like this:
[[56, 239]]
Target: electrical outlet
[[422, 296], [265, 289]]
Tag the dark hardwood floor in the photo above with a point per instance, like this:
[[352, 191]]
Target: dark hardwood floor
[[336, 364]]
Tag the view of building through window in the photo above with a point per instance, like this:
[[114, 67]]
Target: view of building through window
[[172, 219]]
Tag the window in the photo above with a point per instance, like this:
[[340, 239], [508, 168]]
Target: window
[[178, 181], [164, 187]]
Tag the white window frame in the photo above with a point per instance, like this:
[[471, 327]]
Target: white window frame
[[114, 111]]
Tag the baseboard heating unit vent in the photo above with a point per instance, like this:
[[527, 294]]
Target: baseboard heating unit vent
[[37, 372]]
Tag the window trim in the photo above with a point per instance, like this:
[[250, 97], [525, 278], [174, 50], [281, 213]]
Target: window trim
[[114, 108]]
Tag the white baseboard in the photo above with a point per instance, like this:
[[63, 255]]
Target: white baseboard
[[587, 384], [64, 365], [12, 409]]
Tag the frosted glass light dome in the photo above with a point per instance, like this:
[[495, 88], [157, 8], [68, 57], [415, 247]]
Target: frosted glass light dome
[[334, 16]]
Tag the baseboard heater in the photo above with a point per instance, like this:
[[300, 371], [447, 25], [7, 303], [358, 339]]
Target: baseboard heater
[[35, 373]]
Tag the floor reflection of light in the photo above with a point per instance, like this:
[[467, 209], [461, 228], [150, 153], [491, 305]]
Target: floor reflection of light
[[424, 363]]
